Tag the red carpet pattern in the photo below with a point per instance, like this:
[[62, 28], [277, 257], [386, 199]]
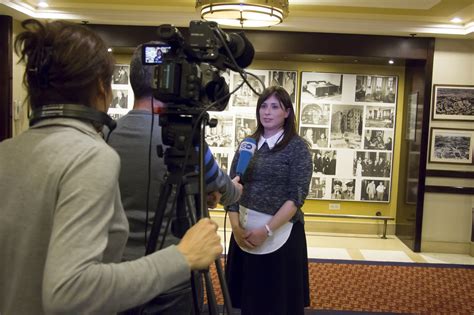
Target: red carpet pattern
[[387, 287]]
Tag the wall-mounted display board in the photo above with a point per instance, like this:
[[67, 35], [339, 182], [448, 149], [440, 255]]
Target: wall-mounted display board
[[239, 120], [349, 121]]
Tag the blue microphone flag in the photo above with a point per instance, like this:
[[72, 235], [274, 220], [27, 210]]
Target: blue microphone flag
[[246, 151]]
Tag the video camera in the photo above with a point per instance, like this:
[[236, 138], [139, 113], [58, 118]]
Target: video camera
[[187, 73]]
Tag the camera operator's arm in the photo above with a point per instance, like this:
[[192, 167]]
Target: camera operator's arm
[[217, 180]]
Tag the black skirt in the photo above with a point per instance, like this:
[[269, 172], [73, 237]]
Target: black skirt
[[275, 283]]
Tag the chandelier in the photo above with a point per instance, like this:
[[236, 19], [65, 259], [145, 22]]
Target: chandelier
[[244, 13]]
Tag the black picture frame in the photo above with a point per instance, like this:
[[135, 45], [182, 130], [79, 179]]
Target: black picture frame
[[451, 146], [453, 102]]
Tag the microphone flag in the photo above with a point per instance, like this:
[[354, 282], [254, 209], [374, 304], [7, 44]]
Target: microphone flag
[[246, 152]]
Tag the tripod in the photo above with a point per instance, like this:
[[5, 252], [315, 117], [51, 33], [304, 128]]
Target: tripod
[[190, 188]]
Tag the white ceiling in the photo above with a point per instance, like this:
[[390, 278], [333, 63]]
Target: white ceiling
[[377, 17]]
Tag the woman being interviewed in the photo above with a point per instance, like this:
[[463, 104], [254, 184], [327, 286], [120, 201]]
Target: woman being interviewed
[[267, 266]]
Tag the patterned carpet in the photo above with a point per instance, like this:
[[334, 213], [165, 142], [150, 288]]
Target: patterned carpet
[[347, 287]]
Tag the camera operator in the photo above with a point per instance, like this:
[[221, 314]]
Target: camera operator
[[131, 140], [63, 227]]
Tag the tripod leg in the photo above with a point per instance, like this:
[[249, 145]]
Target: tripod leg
[[159, 213], [194, 285], [225, 290], [211, 296]]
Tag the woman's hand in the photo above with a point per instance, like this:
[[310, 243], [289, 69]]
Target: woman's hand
[[240, 236], [256, 237]]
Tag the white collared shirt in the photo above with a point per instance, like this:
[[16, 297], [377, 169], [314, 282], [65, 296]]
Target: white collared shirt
[[272, 141]]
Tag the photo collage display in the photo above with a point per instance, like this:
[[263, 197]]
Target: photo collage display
[[349, 121]]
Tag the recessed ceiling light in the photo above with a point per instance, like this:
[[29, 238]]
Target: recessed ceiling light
[[391, 61], [109, 49], [456, 20], [43, 4]]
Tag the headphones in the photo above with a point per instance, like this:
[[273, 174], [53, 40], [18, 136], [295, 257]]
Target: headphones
[[75, 111]]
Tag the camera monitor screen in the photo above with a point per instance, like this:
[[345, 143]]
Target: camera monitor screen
[[154, 54]]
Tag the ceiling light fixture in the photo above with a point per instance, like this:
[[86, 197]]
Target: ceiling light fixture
[[456, 20], [244, 13], [43, 4], [391, 61]]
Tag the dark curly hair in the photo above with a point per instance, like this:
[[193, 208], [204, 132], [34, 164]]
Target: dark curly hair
[[65, 62]]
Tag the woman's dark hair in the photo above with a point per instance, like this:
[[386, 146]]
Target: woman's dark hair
[[64, 62], [289, 126]]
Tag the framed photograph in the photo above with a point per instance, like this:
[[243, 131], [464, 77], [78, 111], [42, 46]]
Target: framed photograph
[[454, 146], [380, 117], [120, 75], [315, 114], [120, 98], [346, 126], [286, 79], [244, 97], [325, 87], [375, 190], [453, 102], [374, 88]]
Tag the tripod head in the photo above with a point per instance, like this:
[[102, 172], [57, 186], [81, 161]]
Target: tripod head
[[181, 132]]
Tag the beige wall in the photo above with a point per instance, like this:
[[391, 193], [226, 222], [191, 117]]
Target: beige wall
[[447, 218], [453, 64]]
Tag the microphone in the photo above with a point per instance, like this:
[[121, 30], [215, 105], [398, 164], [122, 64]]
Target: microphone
[[246, 151]]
